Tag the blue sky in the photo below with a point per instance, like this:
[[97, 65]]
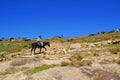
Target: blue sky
[[31, 18]]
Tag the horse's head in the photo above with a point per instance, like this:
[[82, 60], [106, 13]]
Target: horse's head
[[46, 43]]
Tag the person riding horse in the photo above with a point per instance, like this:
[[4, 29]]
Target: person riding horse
[[35, 45], [39, 41], [39, 44]]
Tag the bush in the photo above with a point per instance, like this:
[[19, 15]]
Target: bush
[[76, 59], [114, 50], [37, 69], [65, 63]]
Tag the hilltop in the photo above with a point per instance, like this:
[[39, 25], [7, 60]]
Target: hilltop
[[92, 57]]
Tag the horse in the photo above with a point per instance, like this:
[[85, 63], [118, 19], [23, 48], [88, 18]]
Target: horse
[[35, 45]]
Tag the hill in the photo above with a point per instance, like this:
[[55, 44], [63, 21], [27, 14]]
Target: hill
[[93, 57]]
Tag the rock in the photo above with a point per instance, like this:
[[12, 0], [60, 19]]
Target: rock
[[73, 73], [75, 46], [61, 73]]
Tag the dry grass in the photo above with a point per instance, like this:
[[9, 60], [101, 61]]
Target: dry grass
[[38, 69], [11, 47], [7, 46]]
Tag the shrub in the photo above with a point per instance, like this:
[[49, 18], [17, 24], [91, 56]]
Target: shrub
[[114, 50], [37, 69], [85, 63], [65, 63], [118, 61], [76, 59]]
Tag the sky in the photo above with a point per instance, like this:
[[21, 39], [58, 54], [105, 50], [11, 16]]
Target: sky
[[48, 18]]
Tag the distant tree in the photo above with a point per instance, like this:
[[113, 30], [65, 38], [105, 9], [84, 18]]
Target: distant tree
[[12, 39], [62, 36], [2, 38], [111, 31]]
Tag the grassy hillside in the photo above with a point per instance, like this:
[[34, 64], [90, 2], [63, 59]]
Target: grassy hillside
[[76, 52], [7, 46]]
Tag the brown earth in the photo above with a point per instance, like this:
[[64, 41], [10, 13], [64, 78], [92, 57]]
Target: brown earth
[[72, 61]]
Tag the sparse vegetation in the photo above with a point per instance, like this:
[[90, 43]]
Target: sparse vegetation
[[78, 53], [37, 69], [11, 70], [65, 63], [7, 46], [118, 61], [5, 73], [17, 46]]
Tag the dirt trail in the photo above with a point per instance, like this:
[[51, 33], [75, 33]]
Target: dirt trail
[[101, 64]]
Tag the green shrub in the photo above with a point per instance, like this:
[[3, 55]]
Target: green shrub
[[37, 69], [114, 50], [11, 47], [85, 63], [65, 63], [118, 61], [76, 59]]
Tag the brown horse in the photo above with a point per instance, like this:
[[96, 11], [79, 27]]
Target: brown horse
[[35, 45]]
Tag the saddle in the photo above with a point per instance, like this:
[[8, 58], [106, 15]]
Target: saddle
[[40, 43]]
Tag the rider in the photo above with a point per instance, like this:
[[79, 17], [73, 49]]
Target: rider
[[39, 41]]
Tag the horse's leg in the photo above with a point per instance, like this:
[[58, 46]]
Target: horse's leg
[[44, 48], [40, 50], [34, 50], [31, 50]]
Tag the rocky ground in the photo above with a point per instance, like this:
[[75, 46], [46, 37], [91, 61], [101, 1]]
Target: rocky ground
[[63, 61]]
